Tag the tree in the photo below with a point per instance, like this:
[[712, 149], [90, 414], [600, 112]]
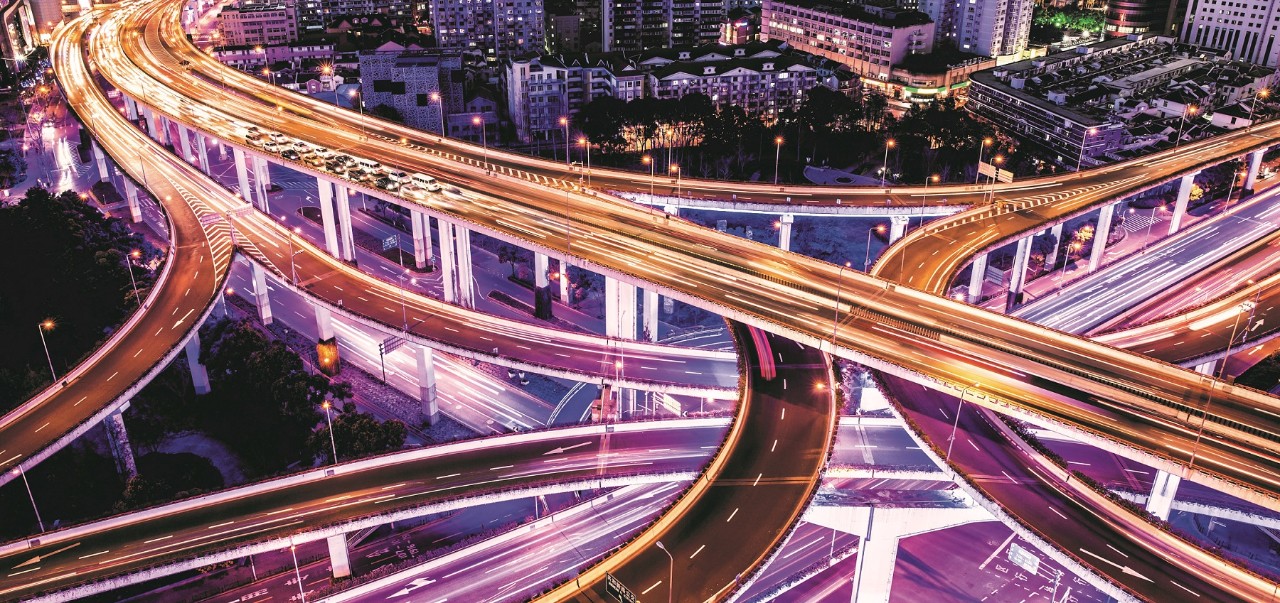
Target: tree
[[602, 121], [356, 435]]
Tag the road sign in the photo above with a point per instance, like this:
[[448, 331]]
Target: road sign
[[615, 587], [390, 242], [1023, 558], [991, 171]]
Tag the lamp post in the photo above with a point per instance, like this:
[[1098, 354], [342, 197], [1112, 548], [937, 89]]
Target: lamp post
[[1263, 93], [564, 123], [671, 576], [1249, 307], [866, 262], [986, 142], [404, 312], [128, 261], [271, 77], [293, 270], [18, 471], [582, 140], [1066, 259], [1084, 140], [354, 94], [1152, 222], [997, 161], [924, 199], [952, 439], [297, 573], [328, 417], [648, 160], [47, 325], [884, 171], [777, 157], [675, 167], [1230, 189], [1190, 110], [835, 316], [225, 293], [484, 137], [435, 98]]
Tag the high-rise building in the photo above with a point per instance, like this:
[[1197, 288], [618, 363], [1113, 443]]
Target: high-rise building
[[424, 86], [258, 24], [635, 25], [993, 28], [495, 28], [870, 40], [1245, 28], [1126, 17], [17, 38]]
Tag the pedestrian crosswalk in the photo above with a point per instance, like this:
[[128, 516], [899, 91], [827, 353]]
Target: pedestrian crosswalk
[[1138, 223]]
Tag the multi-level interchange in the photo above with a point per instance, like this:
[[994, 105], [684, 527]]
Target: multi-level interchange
[[1132, 392]]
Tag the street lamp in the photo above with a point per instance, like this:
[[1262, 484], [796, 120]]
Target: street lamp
[[835, 316], [648, 160], [271, 77], [925, 198], [404, 312], [47, 325], [1066, 259], [986, 142], [484, 137], [355, 92], [675, 167], [1083, 140], [297, 573], [884, 171], [1230, 189], [293, 270], [1152, 222], [582, 140], [777, 156], [435, 98], [997, 161], [1249, 307], [952, 440], [1263, 93], [866, 262], [128, 261], [1190, 110], [18, 471], [671, 577], [564, 123], [332, 443]]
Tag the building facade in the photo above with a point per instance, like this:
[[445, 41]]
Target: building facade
[[868, 40], [424, 86], [1245, 28], [993, 28], [637, 25], [1127, 17], [495, 28], [258, 24]]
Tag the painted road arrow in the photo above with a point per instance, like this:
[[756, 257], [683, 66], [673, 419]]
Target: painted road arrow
[[566, 448], [38, 558], [1123, 568]]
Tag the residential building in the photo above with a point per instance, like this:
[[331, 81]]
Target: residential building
[[994, 28], [423, 86], [564, 33], [494, 28], [869, 40], [1126, 17], [1245, 28], [636, 25], [293, 53], [258, 24], [481, 105]]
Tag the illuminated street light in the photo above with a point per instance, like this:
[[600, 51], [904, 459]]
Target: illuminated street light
[[435, 98], [355, 92], [671, 577], [19, 472], [564, 123], [777, 156], [484, 137], [986, 142], [1083, 140], [582, 140], [648, 160], [128, 261], [835, 316], [328, 417], [884, 171], [1190, 110], [47, 325], [952, 439], [1263, 93], [866, 262], [675, 168]]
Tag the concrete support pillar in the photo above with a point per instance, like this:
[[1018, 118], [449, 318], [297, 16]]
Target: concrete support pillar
[[1018, 275], [339, 560], [1206, 367], [261, 183], [1163, 491], [619, 309], [202, 154], [542, 306], [448, 265], [118, 439], [898, 227], [1180, 206], [184, 143], [199, 376], [164, 138], [346, 236], [466, 276], [421, 239], [650, 317], [326, 342], [1056, 231], [100, 159], [130, 109], [131, 195], [541, 267], [1251, 177], [324, 322], [242, 175], [260, 293], [155, 126], [327, 220], [564, 282], [1100, 235], [427, 385], [671, 209], [977, 276], [784, 231]]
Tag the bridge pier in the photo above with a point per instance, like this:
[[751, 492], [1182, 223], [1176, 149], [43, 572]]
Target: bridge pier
[[1100, 235], [326, 341], [131, 194], [261, 182], [202, 153], [1163, 491], [1180, 206], [977, 276], [671, 209], [260, 293], [1056, 232], [346, 235], [898, 227], [448, 265], [130, 109], [1018, 277], [199, 376], [564, 282], [421, 239], [879, 531], [242, 175], [427, 385], [100, 159], [1251, 176], [184, 143], [619, 309], [325, 196], [118, 439], [542, 306], [784, 231], [650, 318], [1206, 367], [455, 262], [339, 557]]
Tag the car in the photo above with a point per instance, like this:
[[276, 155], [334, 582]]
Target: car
[[314, 161], [343, 159], [337, 167], [322, 152], [301, 147], [279, 138], [270, 146], [254, 140], [425, 182], [289, 154], [387, 184]]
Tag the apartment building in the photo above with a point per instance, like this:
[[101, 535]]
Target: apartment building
[[1245, 28], [494, 28], [869, 40], [258, 24]]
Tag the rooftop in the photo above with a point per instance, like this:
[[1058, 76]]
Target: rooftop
[[885, 16]]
